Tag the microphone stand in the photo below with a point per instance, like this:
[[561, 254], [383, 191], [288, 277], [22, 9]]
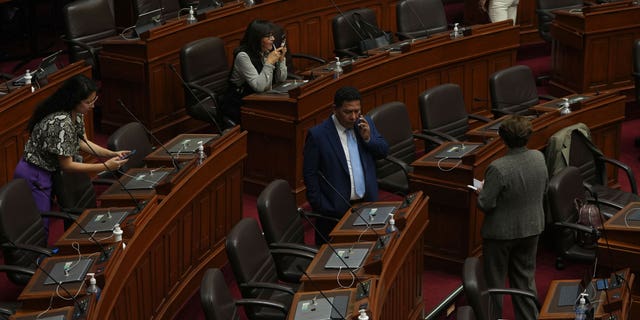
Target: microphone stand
[[322, 293], [173, 159]]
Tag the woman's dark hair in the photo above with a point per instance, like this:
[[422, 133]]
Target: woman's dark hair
[[66, 98], [515, 131], [252, 41]]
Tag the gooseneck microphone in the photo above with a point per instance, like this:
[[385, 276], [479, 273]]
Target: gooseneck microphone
[[322, 293], [173, 159], [379, 237], [133, 199], [353, 274], [56, 281], [193, 94]]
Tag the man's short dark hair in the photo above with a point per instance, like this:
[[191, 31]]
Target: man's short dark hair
[[515, 131], [346, 94]]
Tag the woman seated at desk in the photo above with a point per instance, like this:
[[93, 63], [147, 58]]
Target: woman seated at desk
[[257, 66]]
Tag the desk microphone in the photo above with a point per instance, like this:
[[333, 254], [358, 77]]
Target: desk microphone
[[173, 159], [193, 94], [353, 274], [379, 238], [56, 281], [133, 199], [322, 293]]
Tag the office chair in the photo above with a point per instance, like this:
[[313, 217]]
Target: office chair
[[74, 191], [584, 155], [392, 121], [420, 18], [283, 228], [131, 136], [8, 309], [255, 269], [205, 70], [22, 234], [346, 35], [443, 114], [87, 24], [568, 235], [171, 8], [480, 296], [465, 313], [544, 10], [513, 91], [218, 303]]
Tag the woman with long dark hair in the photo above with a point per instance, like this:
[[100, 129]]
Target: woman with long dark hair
[[258, 64], [57, 134]]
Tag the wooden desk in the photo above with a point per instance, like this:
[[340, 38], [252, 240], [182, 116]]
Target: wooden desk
[[297, 312], [453, 207], [592, 50], [16, 109], [117, 196], [66, 312], [159, 156], [277, 124], [137, 71], [622, 242], [177, 241], [397, 270], [551, 311]]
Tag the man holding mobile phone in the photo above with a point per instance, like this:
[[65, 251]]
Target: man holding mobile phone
[[339, 160]]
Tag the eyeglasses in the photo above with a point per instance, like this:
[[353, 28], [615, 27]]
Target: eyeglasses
[[92, 101]]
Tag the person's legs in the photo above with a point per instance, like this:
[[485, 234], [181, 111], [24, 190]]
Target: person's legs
[[495, 262], [512, 11], [498, 9], [522, 268], [40, 182]]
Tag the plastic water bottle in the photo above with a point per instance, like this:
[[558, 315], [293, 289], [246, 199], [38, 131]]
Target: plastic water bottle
[[582, 308], [191, 18], [337, 72], [201, 155]]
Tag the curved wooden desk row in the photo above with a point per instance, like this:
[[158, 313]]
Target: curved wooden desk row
[[137, 71], [277, 124], [169, 244], [453, 208], [16, 108], [393, 274]]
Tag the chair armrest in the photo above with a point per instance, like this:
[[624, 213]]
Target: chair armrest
[[211, 94], [628, 171], [574, 226], [317, 215], [6, 312], [6, 76], [479, 118], [439, 134], [403, 165], [546, 97], [268, 285], [293, 252], [346, 52], [62, 215], [516, 292], [293, 246], [90, 49], [404, 36], [263, 303], [18, 269], [27, 247], [308, 57]]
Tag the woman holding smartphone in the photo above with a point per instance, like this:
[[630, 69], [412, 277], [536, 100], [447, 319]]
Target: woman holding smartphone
[[258, 64], [56, 135]]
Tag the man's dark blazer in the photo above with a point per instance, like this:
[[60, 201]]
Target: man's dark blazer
[[324, 155]]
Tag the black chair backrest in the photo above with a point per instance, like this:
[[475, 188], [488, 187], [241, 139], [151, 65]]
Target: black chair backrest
[[279, 214], [346, 36], [89, 22], [544, 10], [20, 223], [419, 18], [564, 188], [203, 62], [74, 190], [475, 286], [636, 67], [215, 297], [513, 90], [131, 136], [442, 109], [392, 121], [582, 154]]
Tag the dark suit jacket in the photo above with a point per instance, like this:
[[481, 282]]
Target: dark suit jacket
[[324, 155]]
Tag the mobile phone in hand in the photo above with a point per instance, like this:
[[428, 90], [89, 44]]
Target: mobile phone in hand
[[128, 155]]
